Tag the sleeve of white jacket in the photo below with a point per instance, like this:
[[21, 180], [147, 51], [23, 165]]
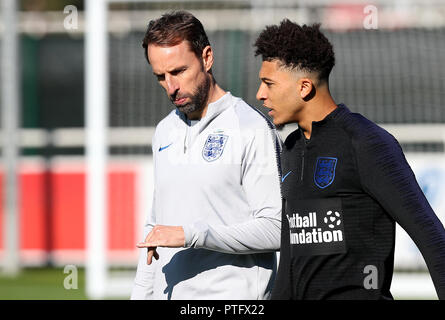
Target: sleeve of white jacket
[[261, 184], [143, 282]]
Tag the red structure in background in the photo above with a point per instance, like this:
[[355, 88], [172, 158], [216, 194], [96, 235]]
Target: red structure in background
[[59, 235]]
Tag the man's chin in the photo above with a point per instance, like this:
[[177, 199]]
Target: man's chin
[[279, 123], [188, 109], [184, 108]]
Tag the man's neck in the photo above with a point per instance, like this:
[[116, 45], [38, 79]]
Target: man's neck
[[316, 110]]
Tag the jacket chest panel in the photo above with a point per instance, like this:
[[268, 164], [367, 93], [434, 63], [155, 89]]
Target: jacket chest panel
[[319, 170]]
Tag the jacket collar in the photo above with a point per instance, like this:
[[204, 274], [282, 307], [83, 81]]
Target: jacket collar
[[337, 113]]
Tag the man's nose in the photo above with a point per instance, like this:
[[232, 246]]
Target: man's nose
[[172, 85], [261, 95]]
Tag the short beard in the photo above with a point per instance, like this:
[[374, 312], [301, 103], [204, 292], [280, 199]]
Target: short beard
[[199, 98]]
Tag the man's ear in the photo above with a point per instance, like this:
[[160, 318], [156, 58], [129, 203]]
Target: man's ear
[[306, 88], [207, 58]]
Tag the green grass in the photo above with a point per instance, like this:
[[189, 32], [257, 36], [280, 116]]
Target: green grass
[[48, 284], [41, 283]]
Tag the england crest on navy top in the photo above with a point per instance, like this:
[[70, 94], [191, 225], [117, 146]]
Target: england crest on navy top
[[214, 146], [324, 171]]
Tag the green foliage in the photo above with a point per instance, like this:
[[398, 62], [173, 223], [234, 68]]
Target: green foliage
[[41, 284]]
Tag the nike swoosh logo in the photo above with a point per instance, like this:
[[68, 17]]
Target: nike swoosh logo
[[162, 148], [282, 179]]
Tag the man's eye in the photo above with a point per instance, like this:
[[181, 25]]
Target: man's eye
[[176, 72], [160, 77]]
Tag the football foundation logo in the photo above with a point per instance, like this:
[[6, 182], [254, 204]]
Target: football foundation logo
[[308, 230], [316, 226]]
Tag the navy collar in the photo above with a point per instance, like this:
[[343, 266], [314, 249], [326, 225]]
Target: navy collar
[[337, 113]]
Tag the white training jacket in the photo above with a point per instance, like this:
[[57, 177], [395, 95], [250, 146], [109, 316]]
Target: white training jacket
[[220, 180]]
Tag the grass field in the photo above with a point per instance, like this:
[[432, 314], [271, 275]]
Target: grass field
[[41, 283], [48, 284]]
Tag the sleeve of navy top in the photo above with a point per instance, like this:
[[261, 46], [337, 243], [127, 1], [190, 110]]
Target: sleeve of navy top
[[387, 177]]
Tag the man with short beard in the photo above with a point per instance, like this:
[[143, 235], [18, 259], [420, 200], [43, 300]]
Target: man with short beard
[[215, 221]]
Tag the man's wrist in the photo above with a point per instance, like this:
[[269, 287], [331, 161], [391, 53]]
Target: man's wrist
[[195, 235]]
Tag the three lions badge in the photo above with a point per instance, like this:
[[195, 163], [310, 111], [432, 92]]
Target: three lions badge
[[324, 171], [214, 147]]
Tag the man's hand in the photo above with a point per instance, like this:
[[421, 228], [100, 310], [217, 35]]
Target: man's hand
[[162, 236], [151, 252]]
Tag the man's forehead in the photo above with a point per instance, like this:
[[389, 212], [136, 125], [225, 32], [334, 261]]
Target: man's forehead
[[169, 56], [270, 68], [276, 68], [154, 49], [267, 67], [181, 47]]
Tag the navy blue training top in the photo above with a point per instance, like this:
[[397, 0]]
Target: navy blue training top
[[343, 190]]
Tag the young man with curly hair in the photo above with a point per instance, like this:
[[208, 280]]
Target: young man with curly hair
[[345, 181]]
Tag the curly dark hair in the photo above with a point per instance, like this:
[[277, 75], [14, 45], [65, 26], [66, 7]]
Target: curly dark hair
[[301, 47], [174, 27]]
